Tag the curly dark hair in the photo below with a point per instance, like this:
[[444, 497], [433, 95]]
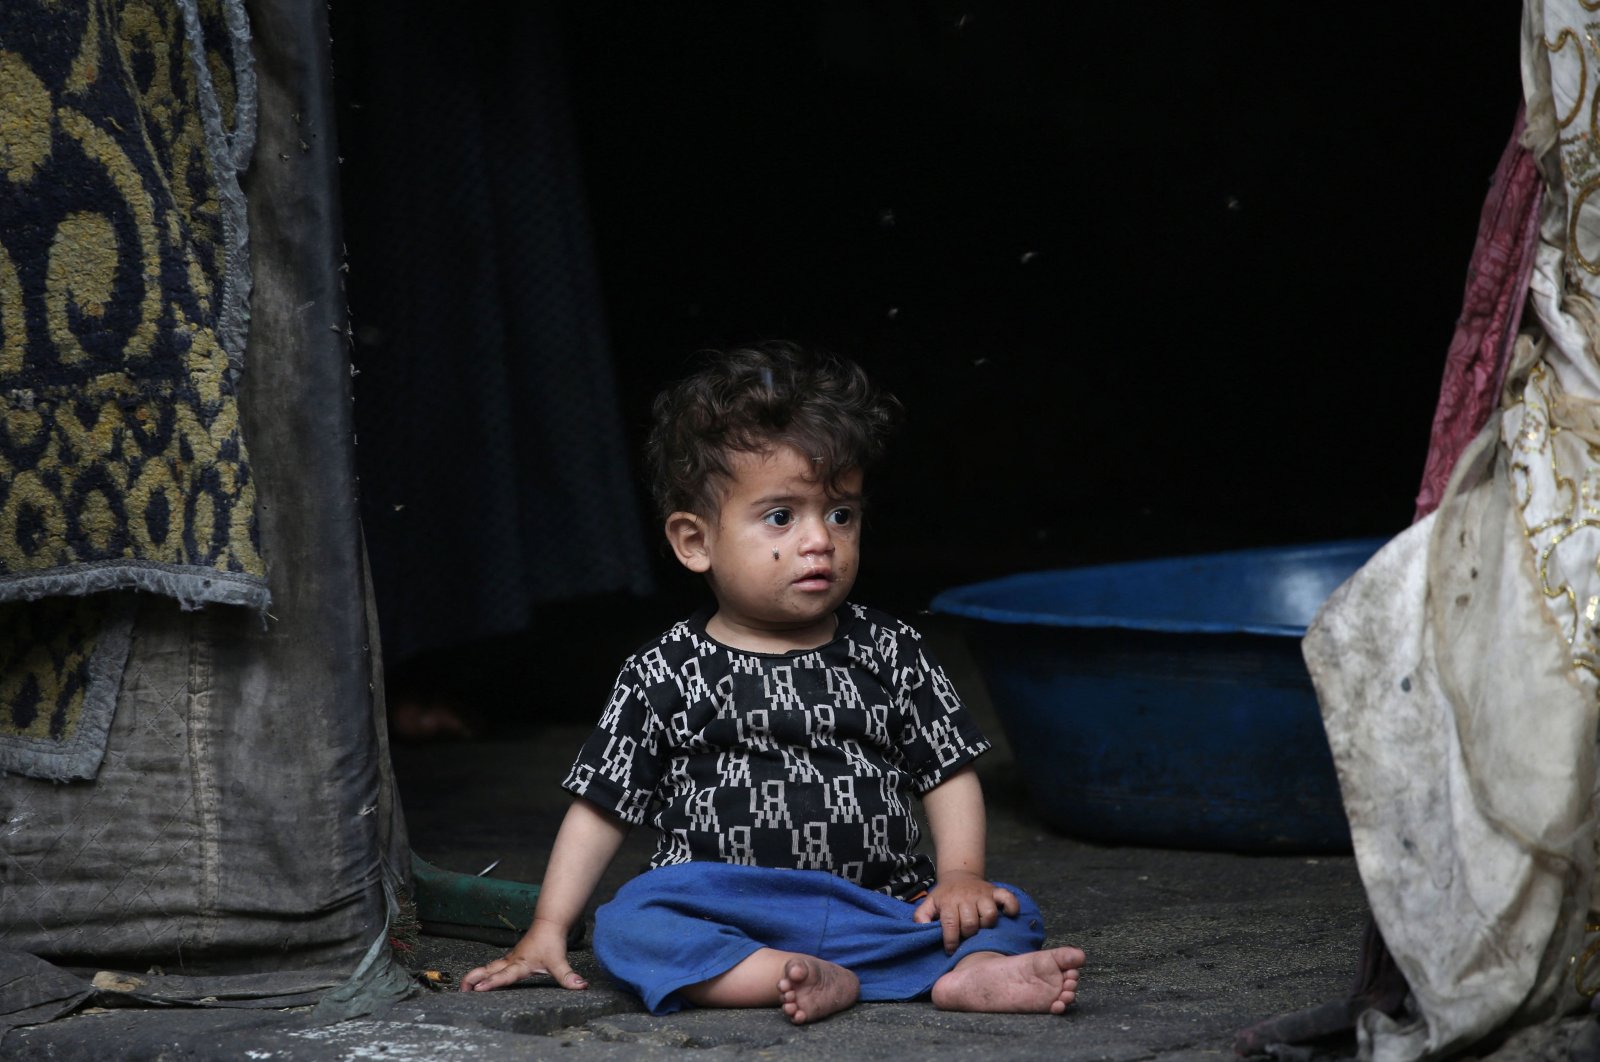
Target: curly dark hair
[[753, 399]]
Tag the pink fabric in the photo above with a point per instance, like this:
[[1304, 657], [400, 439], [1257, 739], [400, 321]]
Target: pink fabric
[[1497, 288]]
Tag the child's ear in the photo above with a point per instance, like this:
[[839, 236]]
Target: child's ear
[[687, 532]]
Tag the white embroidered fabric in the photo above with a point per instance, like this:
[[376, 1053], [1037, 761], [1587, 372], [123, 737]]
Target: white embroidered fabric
[[1457, 670]]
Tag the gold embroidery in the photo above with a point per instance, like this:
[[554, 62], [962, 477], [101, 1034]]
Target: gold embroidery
[[1579, 161], [1564, 591], [1594, 102], [1555, 505], [1564, 38], [1581, 961], [1575, 255]]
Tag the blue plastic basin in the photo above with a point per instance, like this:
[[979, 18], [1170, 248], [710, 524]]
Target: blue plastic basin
[[1165, 702]]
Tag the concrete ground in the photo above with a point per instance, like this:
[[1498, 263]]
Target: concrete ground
[[1184, 950]]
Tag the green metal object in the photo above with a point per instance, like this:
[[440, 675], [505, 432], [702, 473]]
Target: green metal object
[[472, 907]]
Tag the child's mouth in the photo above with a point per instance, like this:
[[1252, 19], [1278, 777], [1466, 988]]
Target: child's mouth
[[816, 579]]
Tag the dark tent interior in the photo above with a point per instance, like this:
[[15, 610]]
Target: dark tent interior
[[345, 319], [1148, 283]]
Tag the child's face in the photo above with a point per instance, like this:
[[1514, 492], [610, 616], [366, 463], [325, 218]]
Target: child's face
[[782, 553]]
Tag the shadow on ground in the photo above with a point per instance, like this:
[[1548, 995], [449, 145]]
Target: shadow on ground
[[1185, 948]]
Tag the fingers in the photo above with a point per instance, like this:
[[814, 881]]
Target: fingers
[[510, 970], [496, 974], [950, 922], [567, 977], [949, 917], [963, 912]]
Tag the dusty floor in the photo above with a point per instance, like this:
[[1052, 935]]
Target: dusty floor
[[1185, 948]]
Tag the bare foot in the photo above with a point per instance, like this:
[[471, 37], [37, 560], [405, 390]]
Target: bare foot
[[811, 989], [1035, 983]]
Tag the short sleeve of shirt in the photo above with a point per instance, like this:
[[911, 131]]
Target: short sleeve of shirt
[[939, 735], [620, 763]]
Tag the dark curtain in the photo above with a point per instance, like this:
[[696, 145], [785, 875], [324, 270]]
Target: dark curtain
[[494, 475]]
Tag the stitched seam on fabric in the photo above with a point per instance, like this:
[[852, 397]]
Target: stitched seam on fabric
[[822, 930], [59, 919], [156, 728], [155, 842], [198, 691], [41, 894], [191, 586], [107, 663], [226, 156]]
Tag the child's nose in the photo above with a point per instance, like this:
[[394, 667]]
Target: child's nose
[[818, 537]]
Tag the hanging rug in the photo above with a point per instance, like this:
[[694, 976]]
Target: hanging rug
[[123, 292]]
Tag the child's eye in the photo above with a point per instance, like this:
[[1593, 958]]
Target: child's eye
[[841, 517], [779, 518]]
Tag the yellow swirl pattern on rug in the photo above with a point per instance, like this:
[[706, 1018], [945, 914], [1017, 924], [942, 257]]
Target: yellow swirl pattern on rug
[[122, 465]]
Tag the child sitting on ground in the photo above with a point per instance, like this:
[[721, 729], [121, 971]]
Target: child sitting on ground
[[775, 742]]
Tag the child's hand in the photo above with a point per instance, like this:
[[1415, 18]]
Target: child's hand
[[542, 950], [963, 903]]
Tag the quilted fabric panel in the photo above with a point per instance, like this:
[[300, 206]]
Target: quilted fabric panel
[[117, 866]]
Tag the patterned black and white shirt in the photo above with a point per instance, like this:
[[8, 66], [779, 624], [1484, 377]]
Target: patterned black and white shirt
[[807, 759]]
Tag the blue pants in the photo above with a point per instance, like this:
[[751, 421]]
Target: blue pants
[[679, 925]]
